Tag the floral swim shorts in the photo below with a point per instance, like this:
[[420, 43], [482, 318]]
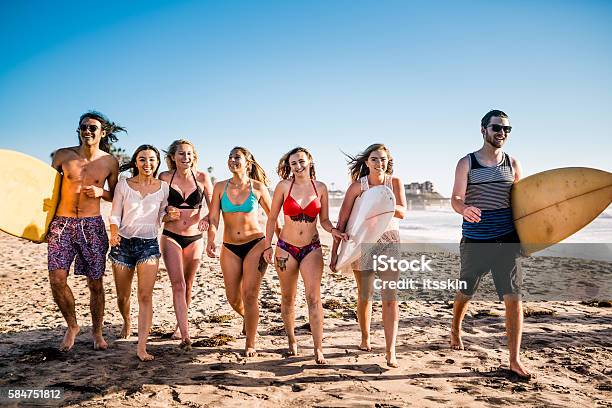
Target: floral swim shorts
[[84, 238]]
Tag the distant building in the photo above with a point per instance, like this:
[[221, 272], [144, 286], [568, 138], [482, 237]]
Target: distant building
[[419, 188], [420, 196]]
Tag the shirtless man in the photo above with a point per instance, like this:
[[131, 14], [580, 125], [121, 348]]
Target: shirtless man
[[77, 230], [481, 194]]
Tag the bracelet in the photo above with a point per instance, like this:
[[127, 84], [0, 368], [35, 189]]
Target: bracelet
[[266, 249]]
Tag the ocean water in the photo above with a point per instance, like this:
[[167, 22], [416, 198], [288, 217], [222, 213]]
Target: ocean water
[[444, 225]]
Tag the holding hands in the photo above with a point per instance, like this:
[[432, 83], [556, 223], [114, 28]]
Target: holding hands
[[338, 235], [268, 253], [115, 239]]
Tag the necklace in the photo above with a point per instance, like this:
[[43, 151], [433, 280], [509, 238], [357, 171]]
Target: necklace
[[240, 186]]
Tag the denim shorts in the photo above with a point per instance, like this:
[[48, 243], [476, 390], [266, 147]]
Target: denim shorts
[[133, 251]]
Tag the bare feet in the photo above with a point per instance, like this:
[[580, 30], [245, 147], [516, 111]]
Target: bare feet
[[185, 345], [455, 340], [126, 330], [144, 356], [69, 337], [391, 359], [319, 358], [518, 369], [365, 344], [99, 342], [250, 352], [293, 349], [177, 334]]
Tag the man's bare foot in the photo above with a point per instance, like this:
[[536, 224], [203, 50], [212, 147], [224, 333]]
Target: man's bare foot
[[69, 337], [293, 349], [99, 342], [177, 334], [144, 356], [126, 330], [365, 345], [455, 341], [391, 359], [518, 369], [319, 358], [250, 352], [185, 345]]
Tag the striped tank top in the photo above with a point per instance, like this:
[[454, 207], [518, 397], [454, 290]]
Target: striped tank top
[[488, 188]]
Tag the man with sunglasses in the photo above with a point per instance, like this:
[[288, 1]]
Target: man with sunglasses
[[481, 194], [77, 230]]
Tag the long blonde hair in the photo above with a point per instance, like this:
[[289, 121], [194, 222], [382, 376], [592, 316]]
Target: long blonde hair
[[254, 170], [172, 151]]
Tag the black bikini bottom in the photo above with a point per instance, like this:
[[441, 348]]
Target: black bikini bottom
[[241, 250], [183, 240]]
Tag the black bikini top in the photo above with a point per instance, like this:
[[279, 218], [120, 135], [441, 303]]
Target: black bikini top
[[193, 200]]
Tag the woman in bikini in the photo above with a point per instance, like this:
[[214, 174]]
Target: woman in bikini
[[181, 241], [298, 250], [243, 240], [138, 207], [374, 167]]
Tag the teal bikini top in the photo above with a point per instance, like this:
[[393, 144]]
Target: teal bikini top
[[250, 204]]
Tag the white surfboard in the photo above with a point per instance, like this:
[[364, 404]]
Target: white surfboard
[[371, 214]]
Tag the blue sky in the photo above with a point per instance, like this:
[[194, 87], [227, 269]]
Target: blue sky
[[328, 75]]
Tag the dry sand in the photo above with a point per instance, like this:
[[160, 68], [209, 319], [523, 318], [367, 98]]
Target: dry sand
[[566, 344]]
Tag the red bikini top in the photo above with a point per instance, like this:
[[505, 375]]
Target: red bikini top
[[293, 210]]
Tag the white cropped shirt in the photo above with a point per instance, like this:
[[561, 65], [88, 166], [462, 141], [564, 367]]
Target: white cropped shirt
[[138, 217]]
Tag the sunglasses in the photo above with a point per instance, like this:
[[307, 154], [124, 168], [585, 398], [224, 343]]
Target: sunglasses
[[498, 128], [91, 128]]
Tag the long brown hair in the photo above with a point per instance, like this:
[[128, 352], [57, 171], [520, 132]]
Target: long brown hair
[[357, 164], [131, 165], [110, 127], [254, 170], [172, 151], [284, 169]]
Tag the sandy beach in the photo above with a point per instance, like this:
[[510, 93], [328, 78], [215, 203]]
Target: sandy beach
[[566, 344]]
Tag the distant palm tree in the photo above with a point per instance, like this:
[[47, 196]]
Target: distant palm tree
[[120, 154], [210, 170]]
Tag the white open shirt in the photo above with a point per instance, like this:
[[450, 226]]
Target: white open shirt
[[135, 216]]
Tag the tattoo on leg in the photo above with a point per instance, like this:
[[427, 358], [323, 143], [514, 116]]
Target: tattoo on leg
[[263, 265], [282, 263]]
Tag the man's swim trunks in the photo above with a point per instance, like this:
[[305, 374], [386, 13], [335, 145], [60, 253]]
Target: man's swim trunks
[[84, 238], [499, 256]]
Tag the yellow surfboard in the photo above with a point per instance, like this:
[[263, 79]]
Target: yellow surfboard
[[30, 191], [550, 206]]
